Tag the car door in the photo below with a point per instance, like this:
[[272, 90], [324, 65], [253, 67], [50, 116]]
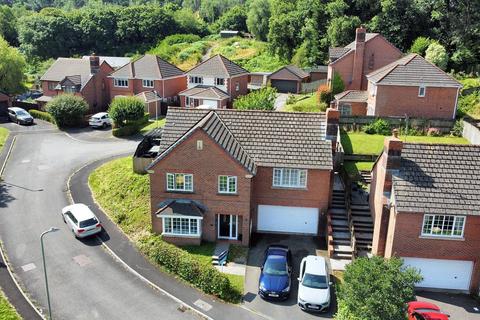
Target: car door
[[12, 115], [71, 221]]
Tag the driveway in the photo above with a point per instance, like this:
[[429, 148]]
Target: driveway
[[300, 246], [280, 101], [458, 306]]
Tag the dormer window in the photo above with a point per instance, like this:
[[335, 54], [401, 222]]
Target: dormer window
[[422, 90], [196, 80], [147, 83], [219, 81]]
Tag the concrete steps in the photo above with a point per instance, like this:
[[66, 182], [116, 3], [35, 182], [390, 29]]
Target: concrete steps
[[341, 236], [220, 253]]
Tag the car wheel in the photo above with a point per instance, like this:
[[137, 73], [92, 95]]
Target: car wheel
[[104, 125]]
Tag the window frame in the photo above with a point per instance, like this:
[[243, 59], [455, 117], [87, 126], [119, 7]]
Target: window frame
[[441, 235], [148, 81], [234, 178], [237, 86], [420, 91], [279, 183], [222, 82], [168, 229], [342, 109], [195, 80], [175, 188], [117, 81], [52, 85]]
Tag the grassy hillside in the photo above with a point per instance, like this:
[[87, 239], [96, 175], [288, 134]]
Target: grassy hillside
[[469, 100], [7, 312]]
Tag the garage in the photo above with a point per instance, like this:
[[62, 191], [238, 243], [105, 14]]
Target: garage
[[285, 86], [210, 103], [288, 79], [443, 274], [283, 219]]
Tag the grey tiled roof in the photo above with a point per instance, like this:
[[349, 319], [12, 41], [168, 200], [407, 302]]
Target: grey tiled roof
[[268, 138], [438, 179], [149, 96], [292, 69], [148, 67], [114, 62], [217, 66], [180, 207], [75, 80], [337, 52], [352, 96], [209, 92], [412, 70], [368, 36], [64, 67]]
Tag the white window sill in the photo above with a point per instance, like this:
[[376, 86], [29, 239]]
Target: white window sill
[[441, 238], [290, 188], [181, 235]]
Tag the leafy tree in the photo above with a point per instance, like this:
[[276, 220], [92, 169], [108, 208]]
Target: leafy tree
[[234, 19], [8, 23], [375, 287], [437, 55], [67, 110], [283, 34], [258, 16], [341, 29], [420, 45], [125, 109], [12, 67], [337, 83], [189, 22], [263, 99]]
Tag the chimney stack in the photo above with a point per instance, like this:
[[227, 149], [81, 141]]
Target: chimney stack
[[94, 63], [333, 119], [358, 58]]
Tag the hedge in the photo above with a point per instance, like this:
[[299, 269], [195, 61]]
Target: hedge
[[179, 262], [42, 115], [131, 128]]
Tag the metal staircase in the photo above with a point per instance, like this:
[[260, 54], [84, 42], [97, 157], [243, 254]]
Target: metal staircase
[[339, 233]]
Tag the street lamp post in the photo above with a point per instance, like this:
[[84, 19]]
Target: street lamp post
[[52, 229]]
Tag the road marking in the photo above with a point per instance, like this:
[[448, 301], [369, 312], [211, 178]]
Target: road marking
[[8, 155], [82, 260], [29, 267], [202, 305]]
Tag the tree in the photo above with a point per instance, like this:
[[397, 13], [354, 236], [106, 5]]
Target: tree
[[337, 83], [8, 23], [234, 19], [126, 109], [375, 287], [12, 68], [283, 35], [189, 22], [420, 45], [258, 16], [263, 99], [341, 29], [437, 55], [67, 110]]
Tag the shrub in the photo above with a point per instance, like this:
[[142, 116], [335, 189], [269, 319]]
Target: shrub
[[379, 126], [337, 84], [291, 99], [434, 132], [67, 110], [177, 261], [457, 130], [375, 287], [263, 99], [324, 95], [437, 54], [133, 127], [126, 109], [42, 115], [420, 45]]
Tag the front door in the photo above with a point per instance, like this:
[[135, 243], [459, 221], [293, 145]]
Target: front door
[[227, 226]]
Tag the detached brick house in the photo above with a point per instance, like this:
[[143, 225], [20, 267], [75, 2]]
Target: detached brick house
[[151, 78], [82, 77], [223, 174], [425, 203], [214, 83]]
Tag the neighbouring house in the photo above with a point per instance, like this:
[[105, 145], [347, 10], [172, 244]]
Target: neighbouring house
[[289, 79], [425, 203], [317, 73], [223, 174], [351, 102], [414, 87], [152, 79], [369, 52], [114, 62], [82, 77], [258, 80], [5, 103], [214, 83]]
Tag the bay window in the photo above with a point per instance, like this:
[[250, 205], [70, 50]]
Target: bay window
[[443, 226], [179, 182], [181, 226], [290, 178]]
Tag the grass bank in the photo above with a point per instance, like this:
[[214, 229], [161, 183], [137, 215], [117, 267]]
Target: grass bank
[[3, 137], [7, 312], [304, 103], [125, 197]]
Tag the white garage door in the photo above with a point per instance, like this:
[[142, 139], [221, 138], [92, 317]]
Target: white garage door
[[287, 219], [210, 103], [443, 274]]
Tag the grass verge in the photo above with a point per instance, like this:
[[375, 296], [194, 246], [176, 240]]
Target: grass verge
[[3, 137], [309, 104], [7, 311], [153, 125]]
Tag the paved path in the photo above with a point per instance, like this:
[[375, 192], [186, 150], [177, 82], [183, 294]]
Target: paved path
[[281, 101]]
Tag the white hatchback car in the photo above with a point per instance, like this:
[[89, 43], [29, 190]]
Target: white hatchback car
[[314, 284], [81, 220], [100, 120]]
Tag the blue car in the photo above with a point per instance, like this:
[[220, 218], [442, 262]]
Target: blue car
[[275, 279]]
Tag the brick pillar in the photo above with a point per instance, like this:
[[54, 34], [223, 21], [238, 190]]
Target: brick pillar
[[332, 118], [357, 73]]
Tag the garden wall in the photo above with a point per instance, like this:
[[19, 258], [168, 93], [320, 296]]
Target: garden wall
[[471, 131], [355, 123]]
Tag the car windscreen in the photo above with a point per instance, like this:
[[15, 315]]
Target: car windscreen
[[88, 223], [95, 118], [22, 113], [275, 266], [315, 281]]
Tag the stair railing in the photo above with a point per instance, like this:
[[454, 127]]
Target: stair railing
[[348, 191]]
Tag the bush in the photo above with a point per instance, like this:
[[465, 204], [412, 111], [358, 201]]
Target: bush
[[177, 261], [434, 132], [291, 99], [337, 84], [375, 287], [263, 99], [67, 110], [123, 110], [324, 95], [133, 127], [457, 130], [379, 126], [42, 115], [420, 45], [437, 54]]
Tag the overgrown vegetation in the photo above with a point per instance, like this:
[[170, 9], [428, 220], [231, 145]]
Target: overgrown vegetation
[[469, 100], [307, 103], [125, 196], [3, 137], [124, 110], [7, 311], [263, 99], [67, 110], [42, 115]]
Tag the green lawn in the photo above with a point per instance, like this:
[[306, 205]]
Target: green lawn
[[7, 312], [3, 137], [362, 143], [353, 168], [203, 252], [309, 104], [237, 281], [153, 125]]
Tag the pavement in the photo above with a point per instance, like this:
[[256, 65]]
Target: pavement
[[300, 246], [280, 101], [458, 306]]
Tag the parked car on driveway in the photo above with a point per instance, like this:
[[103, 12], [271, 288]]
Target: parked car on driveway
[[81, 220], [422, 310], [20, 116], [100, 120], [314, 284], [275, 277]]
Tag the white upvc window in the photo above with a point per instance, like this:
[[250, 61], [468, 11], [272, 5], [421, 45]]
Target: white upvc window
[[184, 226], [179, 182], [122, 83], [290, 178], [147, 83], [435, 225], [237, 86], [345, 109], [422, 90], [52, 85], [227, 184], [219, 81], [195, 79]]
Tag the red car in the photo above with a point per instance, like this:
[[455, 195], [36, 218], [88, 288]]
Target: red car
[[421, 310]]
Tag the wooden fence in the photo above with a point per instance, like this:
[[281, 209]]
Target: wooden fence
[[355, 123]]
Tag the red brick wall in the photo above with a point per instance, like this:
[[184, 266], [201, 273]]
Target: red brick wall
[[174, 85], [205, 165], [135, 86], [45, 89], [118, 91], [358, 108], [231, 83], [344, 67], [398, 100]]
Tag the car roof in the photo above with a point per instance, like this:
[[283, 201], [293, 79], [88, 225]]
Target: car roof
[[416, 305], [100, 114], [315, 265], [277, 250], [81, 211], [434, 316], [16, 109]]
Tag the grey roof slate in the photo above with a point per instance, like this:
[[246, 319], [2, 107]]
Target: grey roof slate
[[114, 62], [296, 71], [64, 67], [337, 52], [438, 178], [217, 66], [149, 96], [412, 70], [208, 92], [352, 96], [75, 80], [180, 207], [148, 67], [266, 138], [368, 36]]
